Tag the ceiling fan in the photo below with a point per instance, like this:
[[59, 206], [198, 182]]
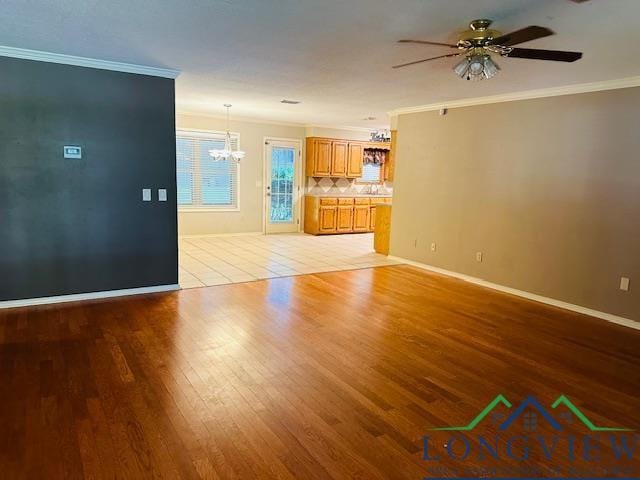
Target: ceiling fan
[[479, 42]]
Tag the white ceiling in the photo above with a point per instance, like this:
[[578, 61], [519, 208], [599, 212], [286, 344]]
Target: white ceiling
[[333, 55]]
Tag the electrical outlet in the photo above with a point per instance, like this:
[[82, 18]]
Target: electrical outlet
[[433, 247], [479, 256], [624, 284]]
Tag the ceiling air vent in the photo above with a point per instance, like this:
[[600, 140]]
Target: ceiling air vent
[[290, 102]]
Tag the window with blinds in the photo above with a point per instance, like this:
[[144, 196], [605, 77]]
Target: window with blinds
[[204, 183], [371, 173]]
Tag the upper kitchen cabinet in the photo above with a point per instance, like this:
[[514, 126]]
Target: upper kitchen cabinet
[[390, 166], [355, 160], [329, 157], [340, 152], [319, 154]]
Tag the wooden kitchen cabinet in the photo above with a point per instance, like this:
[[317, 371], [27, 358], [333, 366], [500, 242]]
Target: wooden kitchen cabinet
[[345, 215], [339, 156], [331, 157], [328, 219], [390, 165], [361, 216], [372, 218], [330, 215], [382, 233], [355, 160], [345, 219], [319, 155]]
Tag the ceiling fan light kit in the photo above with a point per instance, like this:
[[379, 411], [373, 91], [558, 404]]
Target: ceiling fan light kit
[[479, 42], [476, 66]]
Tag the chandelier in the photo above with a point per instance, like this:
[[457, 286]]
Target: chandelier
[[226, 151]]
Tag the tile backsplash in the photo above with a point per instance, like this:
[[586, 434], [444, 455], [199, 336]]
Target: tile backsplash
[[325, 185]]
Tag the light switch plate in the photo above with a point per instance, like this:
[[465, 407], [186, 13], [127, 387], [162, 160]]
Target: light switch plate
[[146, 194], [162, 194], [624, 284], [479, 257]]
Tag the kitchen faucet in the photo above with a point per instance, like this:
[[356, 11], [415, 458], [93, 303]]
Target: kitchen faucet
[[373, 189]]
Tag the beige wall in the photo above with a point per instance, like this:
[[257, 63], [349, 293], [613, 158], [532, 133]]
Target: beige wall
[[249, 218], [347, 134], [547, 189]]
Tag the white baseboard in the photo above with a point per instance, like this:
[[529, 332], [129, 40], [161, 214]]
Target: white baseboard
[[27, 302], [627, 322], [213, 235]]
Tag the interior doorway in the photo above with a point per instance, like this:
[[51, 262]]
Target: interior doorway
[[283, 185]]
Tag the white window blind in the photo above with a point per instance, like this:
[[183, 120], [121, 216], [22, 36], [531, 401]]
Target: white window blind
[[204, 183], [371, 173]]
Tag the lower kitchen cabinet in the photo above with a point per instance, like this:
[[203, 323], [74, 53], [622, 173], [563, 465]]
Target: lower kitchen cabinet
[[328, 219], [361, 218], [372, 218], [345, 215], [327, 215]]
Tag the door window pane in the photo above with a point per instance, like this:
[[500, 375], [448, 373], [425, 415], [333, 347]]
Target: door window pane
[[282, 179]]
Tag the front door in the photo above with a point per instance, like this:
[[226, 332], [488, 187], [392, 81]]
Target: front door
[[282, 186]]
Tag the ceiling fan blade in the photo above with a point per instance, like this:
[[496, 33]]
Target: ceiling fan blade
[[554, 55], [427, 60], [426, 42], [523, 35]]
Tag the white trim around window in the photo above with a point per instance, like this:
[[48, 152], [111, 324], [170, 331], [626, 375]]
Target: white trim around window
[[191, 162]]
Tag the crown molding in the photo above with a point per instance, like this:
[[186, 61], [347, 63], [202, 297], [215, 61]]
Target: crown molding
[[525, 95], [86, 62]]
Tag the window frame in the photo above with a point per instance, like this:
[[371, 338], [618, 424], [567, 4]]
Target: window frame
[[207, 135]]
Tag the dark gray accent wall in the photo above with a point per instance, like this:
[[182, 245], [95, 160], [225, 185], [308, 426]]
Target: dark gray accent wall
[[76, 226]]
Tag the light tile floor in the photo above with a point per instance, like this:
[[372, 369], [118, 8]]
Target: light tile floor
[[206, 261]]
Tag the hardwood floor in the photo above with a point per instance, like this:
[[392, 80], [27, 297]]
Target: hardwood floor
[[332, 375]]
